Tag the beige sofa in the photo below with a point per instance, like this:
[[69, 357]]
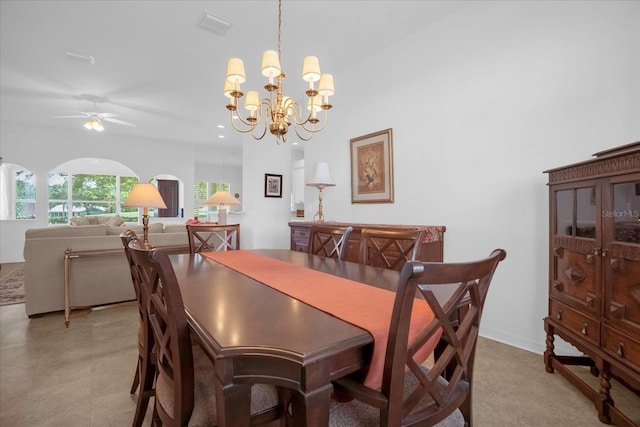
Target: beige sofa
[[95, 280]]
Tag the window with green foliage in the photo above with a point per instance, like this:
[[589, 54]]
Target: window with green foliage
[[202, 190], [17, 192], [88, 194]]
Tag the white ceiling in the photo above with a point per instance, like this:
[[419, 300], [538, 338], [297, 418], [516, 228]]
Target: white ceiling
[[156, 68]]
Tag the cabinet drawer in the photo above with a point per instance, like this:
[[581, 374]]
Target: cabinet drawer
[[621, 346], [578, 323], [301, 234]]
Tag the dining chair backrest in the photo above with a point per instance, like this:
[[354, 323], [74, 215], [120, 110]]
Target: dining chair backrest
[[213, 237], [126, 236], [145, 369], [389, 248], [329, 241], [411, 392], [165, 310]]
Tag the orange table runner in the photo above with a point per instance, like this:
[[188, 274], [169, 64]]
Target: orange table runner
[[362, 305]]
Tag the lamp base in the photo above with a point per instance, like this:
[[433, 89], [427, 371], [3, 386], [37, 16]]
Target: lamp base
[[319, 217], [222, 216], [145, 232]]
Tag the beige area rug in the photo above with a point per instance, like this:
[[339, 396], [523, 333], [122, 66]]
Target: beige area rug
[[12, 287]]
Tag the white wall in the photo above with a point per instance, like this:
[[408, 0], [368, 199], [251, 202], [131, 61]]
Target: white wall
[[265, 219], [481, 103]]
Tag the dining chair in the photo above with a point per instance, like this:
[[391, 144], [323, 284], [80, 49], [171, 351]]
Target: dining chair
[[213, 237], [388, 247], [184, 375], [329, 241], [411, 393], [145, 368]]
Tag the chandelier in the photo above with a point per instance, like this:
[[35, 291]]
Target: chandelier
[[278, 112]]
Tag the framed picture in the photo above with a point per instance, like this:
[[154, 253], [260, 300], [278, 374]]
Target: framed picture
[[272, 185], [372, 168]]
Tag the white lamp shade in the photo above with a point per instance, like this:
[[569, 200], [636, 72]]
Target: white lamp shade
[[221, 198], [252, 101], [144, 196], [235, 71], [311, 69], [270, 64], [325, 87], [320, 176]]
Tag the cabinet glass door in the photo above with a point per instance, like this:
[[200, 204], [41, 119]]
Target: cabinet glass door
[[621, 216], [575, 257]]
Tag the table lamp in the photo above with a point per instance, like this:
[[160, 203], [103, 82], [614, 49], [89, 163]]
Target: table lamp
[[221, 198], [320, 179], [145, 196]]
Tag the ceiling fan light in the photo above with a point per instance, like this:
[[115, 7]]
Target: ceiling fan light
[[94, 123]]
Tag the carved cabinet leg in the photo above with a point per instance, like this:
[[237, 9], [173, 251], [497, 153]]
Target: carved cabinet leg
[[549, 354], [604, 400]]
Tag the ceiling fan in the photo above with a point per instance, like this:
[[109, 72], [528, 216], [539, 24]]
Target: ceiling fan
[[94, 121]]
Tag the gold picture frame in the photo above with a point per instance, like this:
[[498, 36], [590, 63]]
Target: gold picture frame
[[372, 168]]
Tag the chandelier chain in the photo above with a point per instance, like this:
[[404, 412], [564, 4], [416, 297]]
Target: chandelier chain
[[279, 27]]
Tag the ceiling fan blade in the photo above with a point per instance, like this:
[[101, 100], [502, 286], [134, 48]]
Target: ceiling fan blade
[[120, 122], [68, 117], [107, 115]]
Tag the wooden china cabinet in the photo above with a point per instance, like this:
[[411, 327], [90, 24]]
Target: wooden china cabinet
[[594, 273]]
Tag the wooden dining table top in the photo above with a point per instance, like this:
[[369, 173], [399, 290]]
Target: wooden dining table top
[[240, 313], [255, 333]]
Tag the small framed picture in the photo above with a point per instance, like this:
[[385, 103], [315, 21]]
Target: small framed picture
[[372, 168], [272, 185]]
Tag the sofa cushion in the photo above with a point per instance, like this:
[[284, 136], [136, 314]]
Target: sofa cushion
[[67, 231], [114, 221], [175, 228], [79, 220], [153, 228]]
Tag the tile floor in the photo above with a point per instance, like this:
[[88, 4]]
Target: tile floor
[[81, 376]]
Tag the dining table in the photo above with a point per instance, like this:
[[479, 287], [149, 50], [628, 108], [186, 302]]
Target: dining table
[[255, 331]]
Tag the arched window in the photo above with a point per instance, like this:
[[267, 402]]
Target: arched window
[[17, 192], [84, 187]]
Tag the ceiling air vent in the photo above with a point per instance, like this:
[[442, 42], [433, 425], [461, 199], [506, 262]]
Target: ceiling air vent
[[214, 24]]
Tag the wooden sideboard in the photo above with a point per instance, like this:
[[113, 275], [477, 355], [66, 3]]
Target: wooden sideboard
[[432, 244], [594, 273]]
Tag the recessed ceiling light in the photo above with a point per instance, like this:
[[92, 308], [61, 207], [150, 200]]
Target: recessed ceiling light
[[220, 126], [221, 136]]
